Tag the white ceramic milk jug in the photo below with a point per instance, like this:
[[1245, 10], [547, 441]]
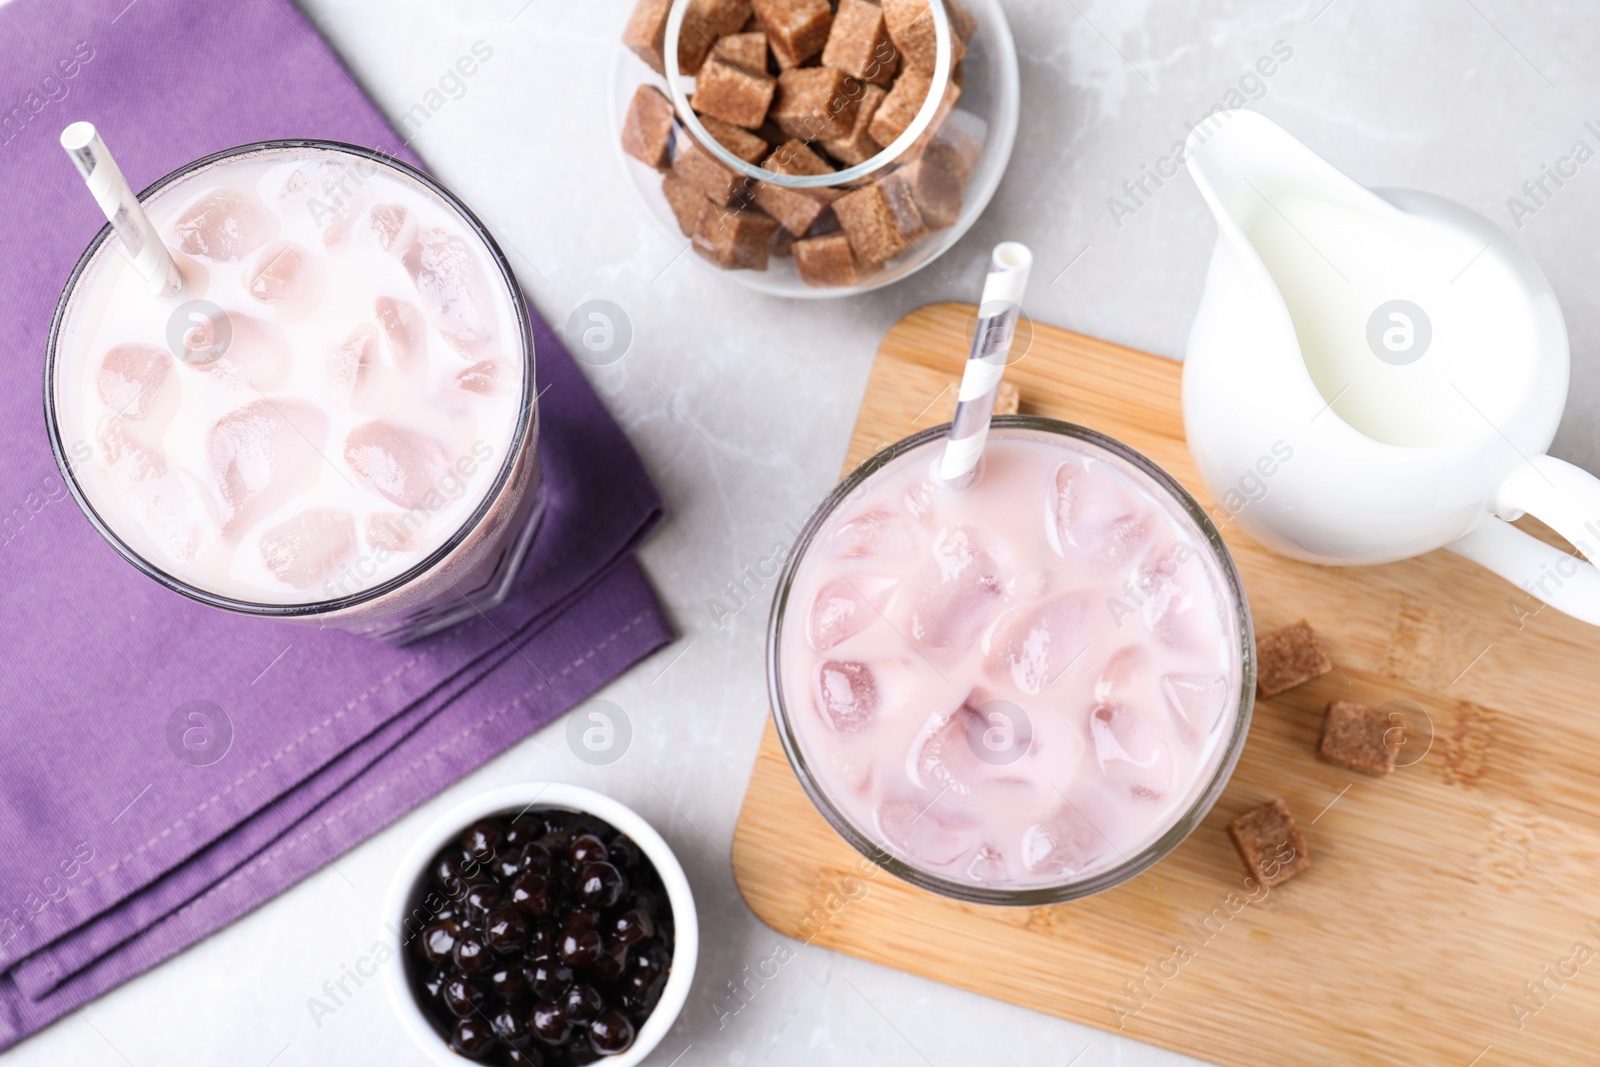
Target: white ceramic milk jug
[[1376, 374]]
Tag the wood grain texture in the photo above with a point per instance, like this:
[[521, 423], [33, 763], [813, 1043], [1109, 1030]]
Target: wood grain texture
[[1441, 900]]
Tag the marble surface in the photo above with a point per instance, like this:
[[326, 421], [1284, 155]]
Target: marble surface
[[743, 405]]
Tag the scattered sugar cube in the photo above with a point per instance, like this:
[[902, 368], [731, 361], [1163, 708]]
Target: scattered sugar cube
[[1270, 843], [1358, 737], [1288, 657]]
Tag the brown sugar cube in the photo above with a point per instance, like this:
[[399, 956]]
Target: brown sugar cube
[[859, 43], [747, 51], [900, 108], [936, 194], [1270, 843], [1358, 737], [688, 203], [796, 29], [964, 22], [1288, 657], [732, 93], [858, 146], [783, 243], [826, 261], [797, 209], [911, 28], [796, 157], [707, 173], [741, 142], [881, 221], [646, 37], [816, 103], [705, 21], [647, 131], [736, 239], [955, 149]]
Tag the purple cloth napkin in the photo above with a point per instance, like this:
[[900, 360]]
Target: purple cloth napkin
[[115, 853]]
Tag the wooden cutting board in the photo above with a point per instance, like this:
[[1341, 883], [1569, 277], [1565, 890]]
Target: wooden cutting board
[[1446, 917]]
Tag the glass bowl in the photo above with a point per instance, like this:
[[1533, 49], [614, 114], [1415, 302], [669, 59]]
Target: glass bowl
[[975, 135], [1229, 736]]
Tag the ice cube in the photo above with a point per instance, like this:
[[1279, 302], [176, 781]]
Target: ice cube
[[407, 332], [921, 500], [1120, 678], [1122, 538], [1196, 702], [135, 381], [970, 589], [180, 514], [287, 276], [912, 829], [1063, 507], [129, 457], [846, 695], [332, 192], [406, 466], [453, 288], [224, 224], [1031, 646], [944, 753], [261, 455], [988, 866], [392, 531], [845, 607], [254, 358], [1065, 844], [488, 377], [348, 366], [309, 548], [877, 534], [1132, 750], [393, 226]]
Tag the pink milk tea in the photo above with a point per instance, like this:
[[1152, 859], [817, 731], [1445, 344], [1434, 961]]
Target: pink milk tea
[[1021, 684], [333, 420]]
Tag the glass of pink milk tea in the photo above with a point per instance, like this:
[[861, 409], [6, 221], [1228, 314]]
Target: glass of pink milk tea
[[333, 422], [1021, 692]]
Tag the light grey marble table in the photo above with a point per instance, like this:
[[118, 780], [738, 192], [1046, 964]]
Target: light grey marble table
[[742, 407]]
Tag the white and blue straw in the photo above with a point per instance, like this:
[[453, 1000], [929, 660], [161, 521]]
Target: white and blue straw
[[1009, 270]]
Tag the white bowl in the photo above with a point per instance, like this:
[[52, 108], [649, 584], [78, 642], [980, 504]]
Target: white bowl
[[992, 94], [413, 875]]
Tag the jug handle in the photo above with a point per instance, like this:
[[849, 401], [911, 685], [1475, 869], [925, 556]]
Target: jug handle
[[1567, 499]]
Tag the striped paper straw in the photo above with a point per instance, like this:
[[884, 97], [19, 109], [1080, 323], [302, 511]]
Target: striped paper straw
[[1009, 269], [122, 208]]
